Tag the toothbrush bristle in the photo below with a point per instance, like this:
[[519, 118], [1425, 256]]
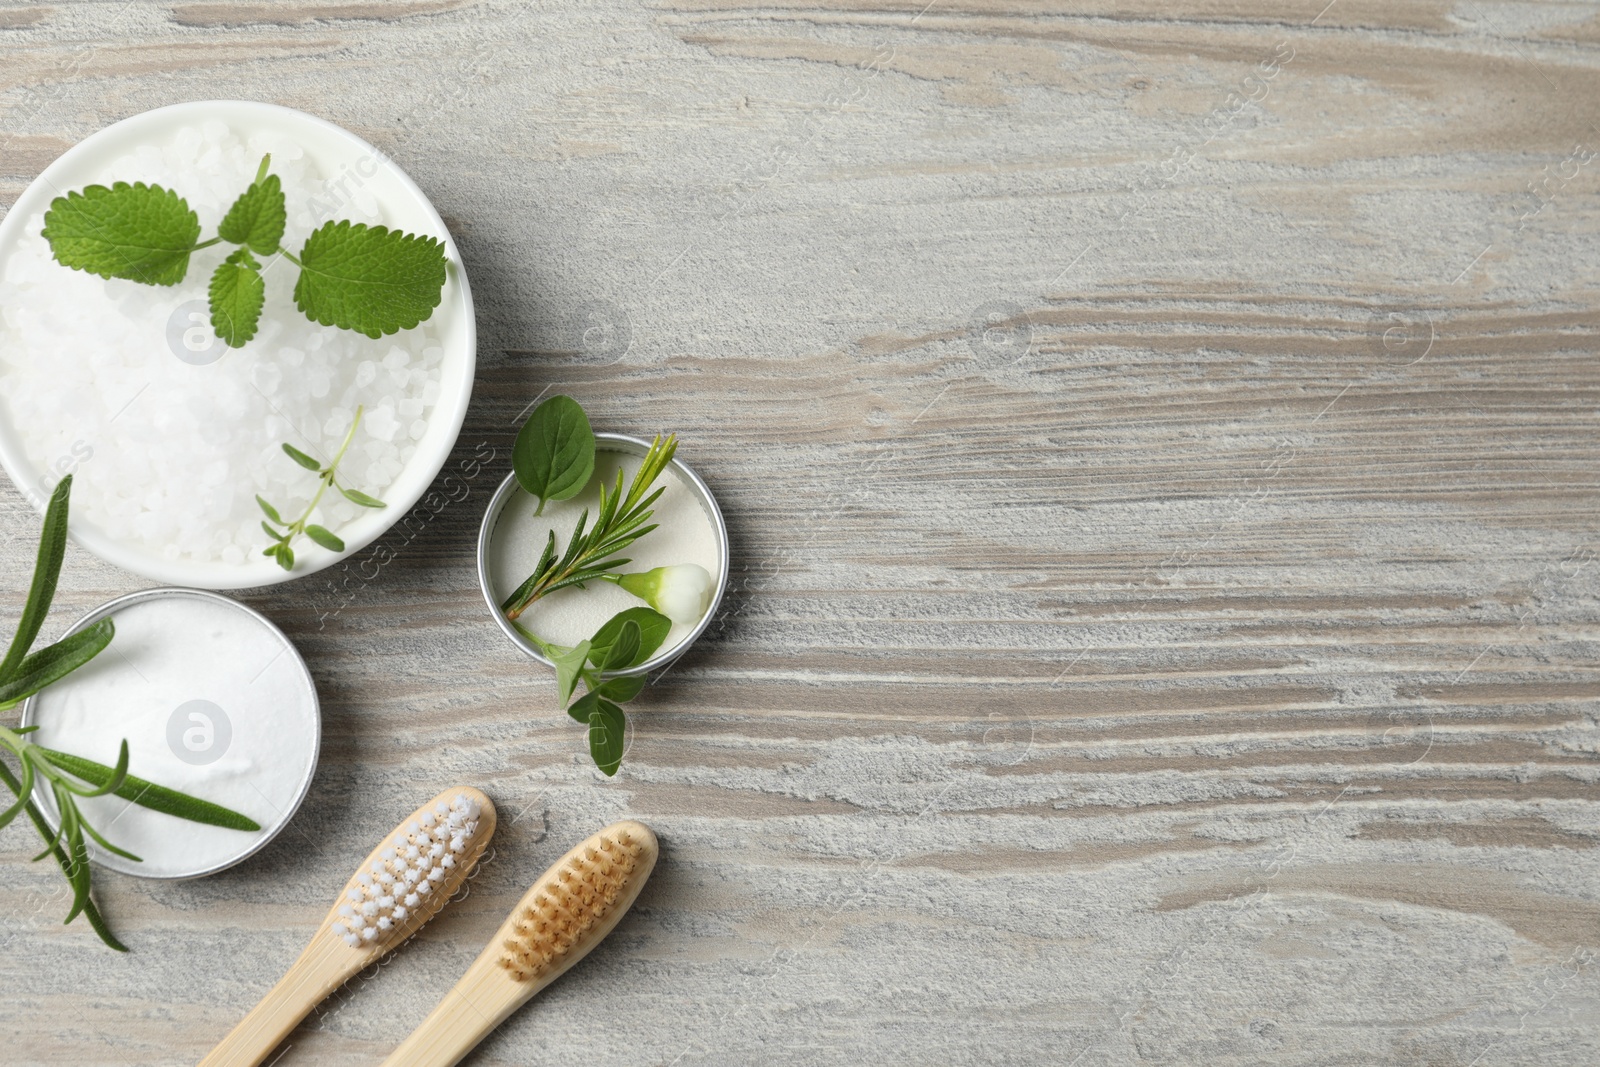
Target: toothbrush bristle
[[572, 902], [398, 887]]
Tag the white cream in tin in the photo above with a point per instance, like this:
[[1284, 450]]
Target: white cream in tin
[[213, 701]]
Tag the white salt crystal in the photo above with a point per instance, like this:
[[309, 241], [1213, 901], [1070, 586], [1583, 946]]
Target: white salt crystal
[[380, 423]]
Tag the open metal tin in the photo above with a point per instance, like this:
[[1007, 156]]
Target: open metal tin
[[627, 446], [252, 724]]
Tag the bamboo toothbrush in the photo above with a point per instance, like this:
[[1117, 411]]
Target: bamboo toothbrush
[[568, 911], [400, 886]]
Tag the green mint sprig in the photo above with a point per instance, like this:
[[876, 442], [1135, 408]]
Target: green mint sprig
[[590, 553], [369, 279], [284, 532], [24, 673], [627, 640]]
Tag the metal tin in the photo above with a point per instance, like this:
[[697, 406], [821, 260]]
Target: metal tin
[[111, 861], [632, 446]]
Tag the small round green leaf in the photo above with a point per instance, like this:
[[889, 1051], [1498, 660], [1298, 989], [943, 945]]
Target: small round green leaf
[[325, 538], [301, 458], [356, 496], [554, 453]]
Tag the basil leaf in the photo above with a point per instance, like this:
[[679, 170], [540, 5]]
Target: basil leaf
[[624, 650], [583, 707], [608, 731], [653, 629], [622, 689], [569, 667], [554, 454]]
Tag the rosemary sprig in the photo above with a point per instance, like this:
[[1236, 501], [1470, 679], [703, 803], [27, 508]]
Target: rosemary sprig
[[591, 554], [281, 548], [71, 778]]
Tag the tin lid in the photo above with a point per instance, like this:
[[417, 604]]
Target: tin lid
[[213, 700]]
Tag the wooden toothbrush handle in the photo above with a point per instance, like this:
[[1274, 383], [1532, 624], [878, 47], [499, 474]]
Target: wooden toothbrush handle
[[483, 999], [317, 973]]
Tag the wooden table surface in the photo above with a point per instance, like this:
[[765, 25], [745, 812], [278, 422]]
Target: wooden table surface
[[1159, 444]]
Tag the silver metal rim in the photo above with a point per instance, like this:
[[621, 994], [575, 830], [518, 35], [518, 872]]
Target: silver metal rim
[[98, 855], [628, 446]]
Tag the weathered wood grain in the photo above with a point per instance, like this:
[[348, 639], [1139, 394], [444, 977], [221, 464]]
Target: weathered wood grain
[[1159, 443]]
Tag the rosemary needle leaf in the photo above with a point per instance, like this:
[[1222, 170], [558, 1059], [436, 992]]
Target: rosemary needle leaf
[[46, 569], [54, 662], [105, 780], [96, 922], [23, 790], [152, 796], [107, 845]]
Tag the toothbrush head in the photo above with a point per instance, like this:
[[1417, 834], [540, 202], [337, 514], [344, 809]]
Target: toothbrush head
[[417, 868], [577, 902]]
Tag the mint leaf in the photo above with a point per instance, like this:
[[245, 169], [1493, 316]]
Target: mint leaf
[[237, 293], [370, 279], [140, 232], [554, 454], [257, 218]]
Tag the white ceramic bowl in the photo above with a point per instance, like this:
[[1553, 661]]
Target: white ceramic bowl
[[404, 207]]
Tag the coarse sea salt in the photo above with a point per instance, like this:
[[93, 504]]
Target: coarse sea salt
[[170, 435]]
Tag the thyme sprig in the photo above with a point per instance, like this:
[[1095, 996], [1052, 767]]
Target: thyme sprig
[[591, 553], [281, 549]]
